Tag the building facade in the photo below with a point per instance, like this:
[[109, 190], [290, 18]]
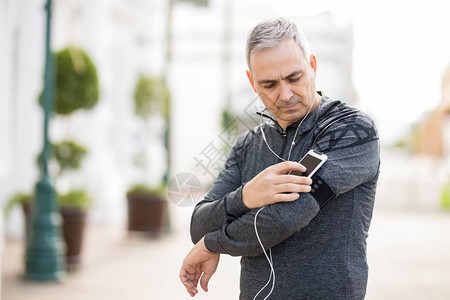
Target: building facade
[[126, 39]]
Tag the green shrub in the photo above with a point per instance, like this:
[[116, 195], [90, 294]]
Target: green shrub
[[227, 118], [75, 199], [67, 154], [151, 95], [76, 81], [445, 196], [142, 188], [16, 199]]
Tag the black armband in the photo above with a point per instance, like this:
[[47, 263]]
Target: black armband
[[321, 192]]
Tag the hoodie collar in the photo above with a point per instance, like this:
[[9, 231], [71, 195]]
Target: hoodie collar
[[307, 124]]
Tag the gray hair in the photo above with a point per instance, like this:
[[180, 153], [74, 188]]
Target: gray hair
[[270, 33]]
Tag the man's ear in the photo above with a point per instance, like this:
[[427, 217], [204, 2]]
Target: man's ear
[[250, 79], [313, 63]]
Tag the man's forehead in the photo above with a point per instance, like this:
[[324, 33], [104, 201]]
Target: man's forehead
[[271, 72], [288, 53], [269, 79]]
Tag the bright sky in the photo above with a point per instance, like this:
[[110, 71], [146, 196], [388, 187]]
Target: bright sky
[[401, 51]]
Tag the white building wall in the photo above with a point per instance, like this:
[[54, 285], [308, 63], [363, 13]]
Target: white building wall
[[3, 108], [126, 39], [21, 60], [198, 71]]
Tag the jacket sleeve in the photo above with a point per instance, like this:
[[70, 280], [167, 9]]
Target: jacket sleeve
[[223, 202], [352, 146], [275, 223], [353, 158]]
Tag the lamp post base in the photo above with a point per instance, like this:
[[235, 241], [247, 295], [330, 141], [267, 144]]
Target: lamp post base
[[45, 255]]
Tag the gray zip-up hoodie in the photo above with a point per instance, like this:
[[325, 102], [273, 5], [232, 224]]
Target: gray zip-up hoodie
[[318, 253]]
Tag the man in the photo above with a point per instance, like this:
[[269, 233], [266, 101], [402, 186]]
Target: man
[[317, 251]]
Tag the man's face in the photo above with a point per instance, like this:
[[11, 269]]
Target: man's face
[[284, 80]]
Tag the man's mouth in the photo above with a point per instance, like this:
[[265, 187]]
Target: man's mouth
[[290, 106]]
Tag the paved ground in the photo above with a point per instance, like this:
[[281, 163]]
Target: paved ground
[[409, 258]]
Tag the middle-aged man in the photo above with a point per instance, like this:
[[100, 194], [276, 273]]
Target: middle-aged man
[[311, 250]]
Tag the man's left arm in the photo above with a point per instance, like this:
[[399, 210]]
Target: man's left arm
[[352, 147]]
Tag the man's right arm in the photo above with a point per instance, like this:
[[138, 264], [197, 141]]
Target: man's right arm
[[353, 159], [223, 202], [211, 214], [230, 199], [270, 186]]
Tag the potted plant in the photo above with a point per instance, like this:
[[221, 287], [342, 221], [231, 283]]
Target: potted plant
[[147, 204], [73, 207], [23, 200], [76, 82], [76, 87], [147, 208]]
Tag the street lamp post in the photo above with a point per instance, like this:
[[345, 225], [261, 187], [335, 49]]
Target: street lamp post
[[45, 259]]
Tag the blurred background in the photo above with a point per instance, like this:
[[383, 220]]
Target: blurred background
[[161, 95]]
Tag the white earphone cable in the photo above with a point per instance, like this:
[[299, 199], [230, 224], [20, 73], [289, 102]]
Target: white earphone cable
[[269, 259], [293, 141]]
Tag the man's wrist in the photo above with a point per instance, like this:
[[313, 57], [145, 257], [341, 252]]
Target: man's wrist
[[202, 245], [234, 206], [245, 197]]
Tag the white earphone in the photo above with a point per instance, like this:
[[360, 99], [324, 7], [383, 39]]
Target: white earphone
[[269, 259]]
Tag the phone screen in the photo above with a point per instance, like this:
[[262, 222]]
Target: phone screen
[[310, 162]]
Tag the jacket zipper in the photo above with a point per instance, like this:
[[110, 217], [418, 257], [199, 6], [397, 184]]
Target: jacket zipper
[[283, 148]]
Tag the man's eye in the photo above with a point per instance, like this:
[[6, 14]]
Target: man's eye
[[294, 79], [269, 86]]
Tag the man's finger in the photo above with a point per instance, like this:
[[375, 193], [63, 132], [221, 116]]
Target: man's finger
[[192, 291], [286, 197], [281, 179], [196, 279], [189, 281], [189, 286], [286, 166], [292, 188], [205, 280]]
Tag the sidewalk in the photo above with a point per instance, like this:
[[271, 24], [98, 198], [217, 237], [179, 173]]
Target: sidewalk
[[121, 265], [408, 255]]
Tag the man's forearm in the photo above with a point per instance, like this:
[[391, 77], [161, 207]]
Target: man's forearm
[[275, 223], [210, 215]]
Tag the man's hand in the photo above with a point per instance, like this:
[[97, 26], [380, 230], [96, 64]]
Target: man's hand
[[275, 185], [199, 264]]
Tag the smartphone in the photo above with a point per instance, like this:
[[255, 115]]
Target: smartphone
[[313, 160]]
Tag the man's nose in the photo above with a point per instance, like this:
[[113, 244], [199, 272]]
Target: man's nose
[[285, 92]]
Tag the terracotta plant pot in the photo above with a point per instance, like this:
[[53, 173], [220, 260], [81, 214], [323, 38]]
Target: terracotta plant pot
[[27, 217], [72, 230], [147, 213], [74, 222]]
